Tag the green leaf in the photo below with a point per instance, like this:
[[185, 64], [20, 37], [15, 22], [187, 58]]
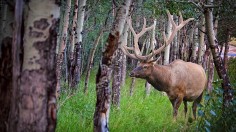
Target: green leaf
[[213, 113], [207, 123], [200, 113], [207, 129], [207, 97]]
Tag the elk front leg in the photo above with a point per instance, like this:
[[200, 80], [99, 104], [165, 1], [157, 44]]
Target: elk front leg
[[176, 103]]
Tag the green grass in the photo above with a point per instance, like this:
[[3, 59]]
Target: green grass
[[137, 113]]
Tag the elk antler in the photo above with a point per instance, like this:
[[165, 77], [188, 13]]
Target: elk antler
[[137, 54]]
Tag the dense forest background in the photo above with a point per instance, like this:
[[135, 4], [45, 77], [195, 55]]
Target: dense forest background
[[62, 66]]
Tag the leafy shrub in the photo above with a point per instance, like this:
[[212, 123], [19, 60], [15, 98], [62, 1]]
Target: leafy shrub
[[212, 118]]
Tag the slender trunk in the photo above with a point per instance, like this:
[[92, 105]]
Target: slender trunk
[[77, 47], [59, 34], [5, 81], [201, 42], [226, 49], [176, 47], [72, 42], [152, 46], [61, 53], [103, 77], [117, 69], [17, 65], [181, 46], [116, 80], [210, 73], [65, 64], [195, 44], [131, 43], [124, 69], [148, 49], [34, 92], [6, 62], [133, 61], [189, 43], [6, 28], [74, 33], [206, 56], [139, 4], [167, 49], [227, 95], [90, 60], [124, 59], [4, 15], [186, 47]]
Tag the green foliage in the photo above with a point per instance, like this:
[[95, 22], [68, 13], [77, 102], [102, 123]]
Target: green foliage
[[232, 71], [212, 118], [159, 7], [137, 113]]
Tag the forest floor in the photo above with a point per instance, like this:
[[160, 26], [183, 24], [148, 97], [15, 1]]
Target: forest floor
[[137, 113]]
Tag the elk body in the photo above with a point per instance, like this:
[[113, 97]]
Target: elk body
[[182, 81]]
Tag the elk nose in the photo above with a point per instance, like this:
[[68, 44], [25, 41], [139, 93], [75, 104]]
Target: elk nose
[[131, 74]]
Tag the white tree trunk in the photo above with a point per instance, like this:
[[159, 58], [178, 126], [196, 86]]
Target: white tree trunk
[[167, 49], [34, 96], [60, 55], [152, 46], [202, 48], [176, 46], [76, 55], [74, 33], [80, 22], [124, 59], [195, 43], [227, 94]]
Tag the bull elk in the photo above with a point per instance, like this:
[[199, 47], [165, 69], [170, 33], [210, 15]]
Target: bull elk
[[182, 81]]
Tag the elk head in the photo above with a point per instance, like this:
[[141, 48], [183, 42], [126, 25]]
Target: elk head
[[146, 62], [143, 70]]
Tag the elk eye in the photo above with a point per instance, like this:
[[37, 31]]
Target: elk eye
[[144, 67]]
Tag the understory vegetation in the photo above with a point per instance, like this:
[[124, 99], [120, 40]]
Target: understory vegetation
[[140, 113], [212, 118]]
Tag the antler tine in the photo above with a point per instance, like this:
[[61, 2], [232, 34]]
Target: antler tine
[[137, 53], [164, 37], [170, 18], [129, 21], [180, 17], [136, 37], [153, 40], [145, 29], [136, 49], [126, 52], [182, 23], [123, 46], [173, 33]]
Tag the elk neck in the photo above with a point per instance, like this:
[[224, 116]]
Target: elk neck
[[160, 77]]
